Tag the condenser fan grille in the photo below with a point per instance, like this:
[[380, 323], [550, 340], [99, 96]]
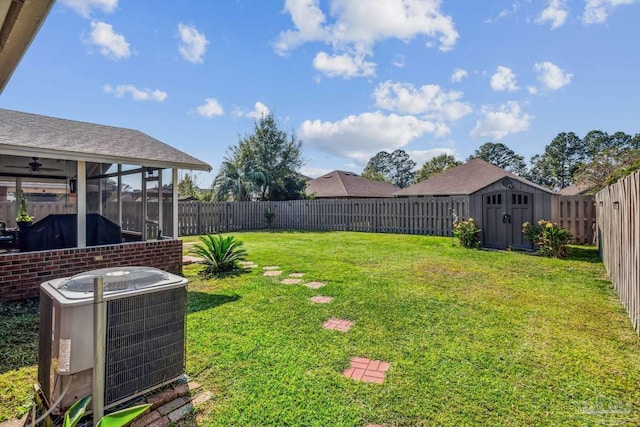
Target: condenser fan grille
[[116, 279]]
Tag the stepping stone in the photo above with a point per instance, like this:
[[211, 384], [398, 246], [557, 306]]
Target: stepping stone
[[314, 285], [296, 274], [270, 267], [321, 299], [249, 266], [363, 369], [291, 281], [341, 325], [272, 273], [188, 259], [246, 263]]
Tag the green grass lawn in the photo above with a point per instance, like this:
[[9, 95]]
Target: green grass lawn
[[473, 337]]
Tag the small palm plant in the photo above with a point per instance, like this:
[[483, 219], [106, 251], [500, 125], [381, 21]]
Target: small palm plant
[[221, 254]]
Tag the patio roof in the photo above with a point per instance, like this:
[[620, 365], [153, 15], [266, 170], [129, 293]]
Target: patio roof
[[32, 135], [20, 20]]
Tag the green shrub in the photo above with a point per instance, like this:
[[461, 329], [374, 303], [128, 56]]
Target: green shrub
[[549, 238], [468, 233], [221, 254]]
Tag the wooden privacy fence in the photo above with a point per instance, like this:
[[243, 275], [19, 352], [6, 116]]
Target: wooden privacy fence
[[425, 215], [577, 215], [618, 231], [38, 210]]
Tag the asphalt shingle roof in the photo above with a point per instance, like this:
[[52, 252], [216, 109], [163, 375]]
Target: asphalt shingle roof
[[32, 134], [348, 184], [462, 180]]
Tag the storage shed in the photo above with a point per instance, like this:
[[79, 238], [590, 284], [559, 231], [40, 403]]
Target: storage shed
[[499, 201]]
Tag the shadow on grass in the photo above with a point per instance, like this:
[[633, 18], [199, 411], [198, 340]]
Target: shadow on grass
[[19, 323], [583, 253], [198, 301]]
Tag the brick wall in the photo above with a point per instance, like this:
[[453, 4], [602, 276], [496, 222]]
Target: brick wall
[[22, 273]]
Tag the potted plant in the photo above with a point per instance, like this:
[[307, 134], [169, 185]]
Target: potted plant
[[23, 220]]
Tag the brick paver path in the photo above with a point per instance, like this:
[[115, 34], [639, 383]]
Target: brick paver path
[[341, 325], [321, 299], [314, 285], [291, 281], [272, 273], [363, 369]]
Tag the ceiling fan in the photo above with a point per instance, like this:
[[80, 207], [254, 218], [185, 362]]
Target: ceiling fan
[[36, 166]]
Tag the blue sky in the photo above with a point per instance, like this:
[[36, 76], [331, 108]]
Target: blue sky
[[349, 77]]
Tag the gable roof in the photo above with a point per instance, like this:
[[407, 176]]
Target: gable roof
[[462, 180], [25, 134], [347, 184]]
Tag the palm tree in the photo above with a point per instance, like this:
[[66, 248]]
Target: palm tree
[[235, 183]]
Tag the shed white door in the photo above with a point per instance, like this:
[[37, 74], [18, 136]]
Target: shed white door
[[504, 213]]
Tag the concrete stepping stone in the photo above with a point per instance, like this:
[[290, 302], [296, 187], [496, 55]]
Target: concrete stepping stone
[[297, 275], [246, 263], [271, 267], [291, 281], [321, 299], [188, 259], [272, 273], [314, 285], [249, 266], [363, 369], [341, 325]]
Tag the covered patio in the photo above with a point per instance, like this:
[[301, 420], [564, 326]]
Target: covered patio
[[82, 181]]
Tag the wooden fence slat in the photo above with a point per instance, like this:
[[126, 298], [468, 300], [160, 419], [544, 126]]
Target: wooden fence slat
[[618, 235]]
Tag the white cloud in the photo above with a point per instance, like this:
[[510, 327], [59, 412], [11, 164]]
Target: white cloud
[[210, 108], [343, 66], [532, 90], [399, 62], [458, 75], [314, 172], [430, 100], [504, 13], [259, 110], [597, 11], [84, 7], [193, 44], [552, 76], [496, 124], [357, 28], [360, 137], [422, 156], [556, 13], [136, 94], [504, 80], [112, 45]]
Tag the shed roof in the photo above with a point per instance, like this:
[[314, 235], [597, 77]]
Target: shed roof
[[463, 180], [348, 184], [25, 134]]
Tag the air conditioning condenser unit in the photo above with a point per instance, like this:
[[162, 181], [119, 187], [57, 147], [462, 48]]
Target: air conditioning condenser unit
[[145, 334]]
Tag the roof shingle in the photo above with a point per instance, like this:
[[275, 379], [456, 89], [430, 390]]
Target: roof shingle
[[61, 138], [339, 184], [462, 180]]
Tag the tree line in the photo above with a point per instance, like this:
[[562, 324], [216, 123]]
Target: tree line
[[264, 164], [594, 161]]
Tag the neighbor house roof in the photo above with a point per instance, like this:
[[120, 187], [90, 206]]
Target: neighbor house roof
[[20, 21], [585, 187], [25, 134], [462, 180], [338, 184]]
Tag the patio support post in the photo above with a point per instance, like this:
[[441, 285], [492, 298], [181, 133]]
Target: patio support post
[[82, 203], [160, 204], [174, 202]]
